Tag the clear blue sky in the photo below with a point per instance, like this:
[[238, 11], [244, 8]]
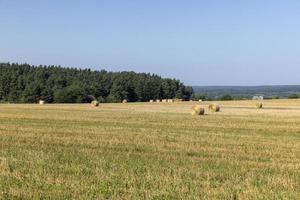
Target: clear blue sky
[[215, 42]]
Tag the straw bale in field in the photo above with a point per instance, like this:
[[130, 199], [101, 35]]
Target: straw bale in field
[[41, 102], [214, 107], [259, 105], [170, 100], [198, 110], [151, 101], [95, 103], [124, 101], [178, 100], [164, 100]]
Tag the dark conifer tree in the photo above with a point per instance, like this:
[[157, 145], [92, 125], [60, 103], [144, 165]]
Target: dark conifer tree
[[22, 83]]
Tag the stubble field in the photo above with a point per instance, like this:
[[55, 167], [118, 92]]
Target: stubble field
[[150, 151]]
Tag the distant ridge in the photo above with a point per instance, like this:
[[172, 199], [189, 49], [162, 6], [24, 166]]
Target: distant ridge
[[281, 91]]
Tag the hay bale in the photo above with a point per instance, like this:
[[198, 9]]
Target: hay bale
[[259, 105], [157, 100], [170, 100], [151, 101], [124, 101], [41, 102], [164, 100], [214, 107], [95, 103], [197, 110], [178, 100]]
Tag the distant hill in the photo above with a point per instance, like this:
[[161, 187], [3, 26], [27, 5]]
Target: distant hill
[[281, 91]]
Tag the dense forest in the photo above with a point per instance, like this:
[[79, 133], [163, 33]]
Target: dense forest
[[23, 83]]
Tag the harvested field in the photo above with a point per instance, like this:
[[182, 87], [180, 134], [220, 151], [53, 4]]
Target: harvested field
[[150, 151]]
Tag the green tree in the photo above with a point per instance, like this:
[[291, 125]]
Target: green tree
[[293, 96], [70, 94], [226, 97], [29, 84]]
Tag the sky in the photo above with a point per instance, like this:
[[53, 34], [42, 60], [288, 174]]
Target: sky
[[200, 42]]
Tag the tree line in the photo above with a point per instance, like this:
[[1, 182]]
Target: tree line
[[24, 83]]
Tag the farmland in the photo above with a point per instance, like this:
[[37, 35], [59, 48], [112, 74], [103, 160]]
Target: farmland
[[150, 151]]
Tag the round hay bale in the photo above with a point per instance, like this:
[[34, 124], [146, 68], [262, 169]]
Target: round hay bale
[[151, 101], [214, 107], [124, 101], [178, 100], [197, 110], [41, 102], [95, 103], [259, 105]]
